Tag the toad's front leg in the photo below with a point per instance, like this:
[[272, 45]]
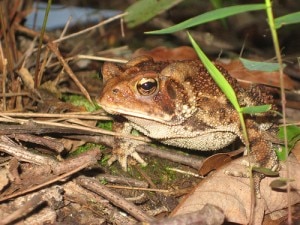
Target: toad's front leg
[[124, 147]]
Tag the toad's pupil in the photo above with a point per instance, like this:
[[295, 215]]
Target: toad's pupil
[[147, 86]]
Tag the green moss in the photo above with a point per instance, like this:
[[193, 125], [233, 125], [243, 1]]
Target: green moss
[[106, 125], [79, 100], [86, 147]]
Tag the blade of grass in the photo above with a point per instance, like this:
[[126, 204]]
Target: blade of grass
[[287, 19], [210, 16], [36, 78], [260, 66], [143, 10], [216, 75], [256, 109]]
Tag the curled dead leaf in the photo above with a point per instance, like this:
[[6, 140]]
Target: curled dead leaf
[[214, 162]]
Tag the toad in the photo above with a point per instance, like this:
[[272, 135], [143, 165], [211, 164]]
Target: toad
[[179, 104]]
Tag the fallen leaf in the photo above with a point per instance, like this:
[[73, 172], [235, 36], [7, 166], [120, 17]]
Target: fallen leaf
[[214, 162], [238, 71], [162, 53], [233, 194]]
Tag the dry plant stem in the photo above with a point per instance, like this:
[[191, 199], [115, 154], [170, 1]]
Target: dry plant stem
[[94, 202], [123, 180], [99, 58], [88, 158], [23, 59], [50, 143], [30, 32], [61, 35], [9, 147], [77, 115], [91, 28], [139, 188], [69, 71], [14, 95], [171, 155], [35, 126], [46, 38], [114, 198], [41, 70], [4, 74], [146, 177], [142, 198]]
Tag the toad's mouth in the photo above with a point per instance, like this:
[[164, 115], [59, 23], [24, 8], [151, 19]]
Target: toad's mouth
[[131, 114]]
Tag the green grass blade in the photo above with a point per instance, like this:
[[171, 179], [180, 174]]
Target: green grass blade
[[210, 16], [217, 76], [260, 66], [143, 10], [287, 19], [265, 171], [256, 109]]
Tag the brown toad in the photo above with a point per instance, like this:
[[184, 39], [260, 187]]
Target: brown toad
[[179, 104]]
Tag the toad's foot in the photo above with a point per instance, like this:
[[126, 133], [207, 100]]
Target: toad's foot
[[124, 149]]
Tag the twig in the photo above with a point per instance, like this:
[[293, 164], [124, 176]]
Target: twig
[[171, 155], [9, 147], [50, 143], [91, 28], [100, 58], [138, 188], [30, 126], [77, 115], [69, 71], [123, 180], [114, 198], [4, 76]]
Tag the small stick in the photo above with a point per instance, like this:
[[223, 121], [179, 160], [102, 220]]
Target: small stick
[[114, 198], [69, 71]]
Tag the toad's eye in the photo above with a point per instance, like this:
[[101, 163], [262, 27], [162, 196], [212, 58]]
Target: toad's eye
[[147, 86]]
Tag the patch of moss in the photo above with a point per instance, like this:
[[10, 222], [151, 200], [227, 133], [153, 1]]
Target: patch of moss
[[86, 147], [79, 100], [106, 125]]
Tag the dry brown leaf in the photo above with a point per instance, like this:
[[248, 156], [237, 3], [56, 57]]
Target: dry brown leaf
[[238, 71], [162, 53], [232, 194], [218, 160], [214, 162]]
